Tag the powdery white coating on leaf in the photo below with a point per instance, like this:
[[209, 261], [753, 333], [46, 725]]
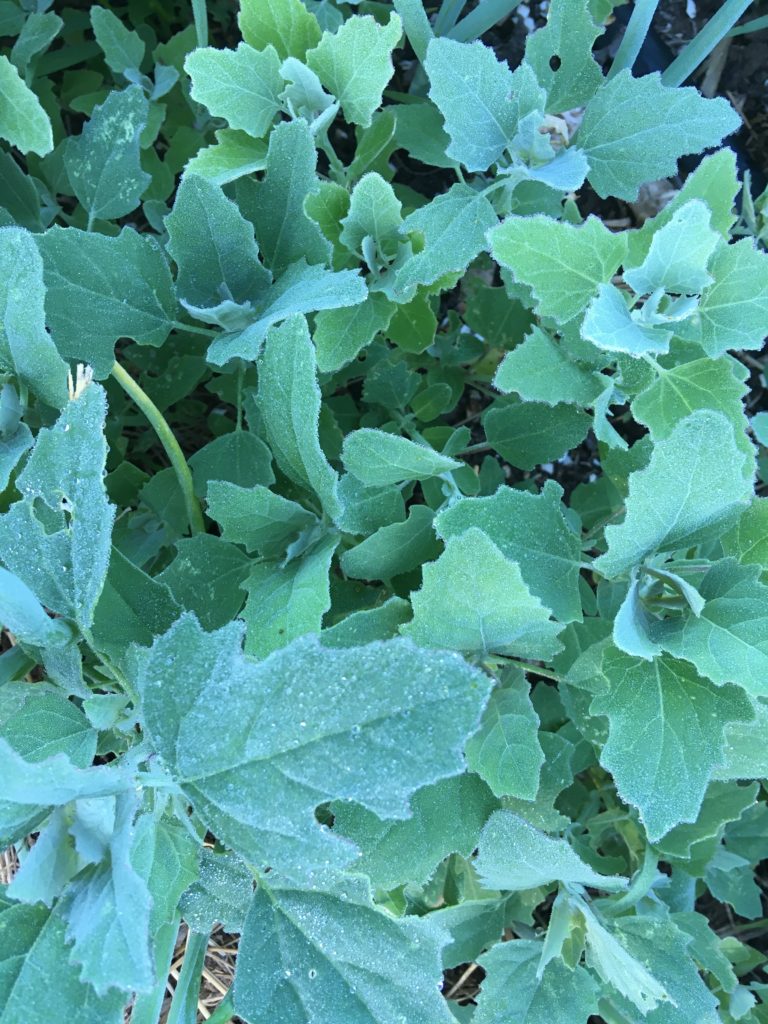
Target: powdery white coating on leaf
[[539, 370], [285, 24], [514, 856], [23, 122], [378, 459], [474, 599], [257, 746], [678, 255], [693, 488], [734, 309], [306, 953], [243, 86]]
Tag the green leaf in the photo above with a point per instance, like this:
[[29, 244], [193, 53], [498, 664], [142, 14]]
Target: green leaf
[[513, 986], [257, 746], [25, 617], [287, 602], [285, 24], [399, 852], [275, 205], [101, 289], [222, 893], [289, 402], [364, 627], [421, 133], [562, 263], [11, 450], [474, 599], [234, 155], [212, 246], [123, 50], [23, 122], [166, 856], [37, 34], [103, 164], [734, 308], [663, 768], [505, 751], [611, 326], [34, 947], [514, 856], [107, 909], [255, 517], [26, 348], [454, 227], [340, 334], [728, 641], [306, 951], [375, 213], [529, 529], [205, 578], [539, 371], [561, 55], [527, 434], [238, 457], [678, 255], [377, 458], [748, 540], [63, 555], [355, 64], [472, 91], [243, 86], [394, 549], [625, 131], [693, 488]]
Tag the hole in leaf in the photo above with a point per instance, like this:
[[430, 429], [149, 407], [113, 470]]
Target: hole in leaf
[[555, 62]]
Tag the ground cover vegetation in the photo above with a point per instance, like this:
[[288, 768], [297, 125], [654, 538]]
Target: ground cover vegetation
[[384, 568]]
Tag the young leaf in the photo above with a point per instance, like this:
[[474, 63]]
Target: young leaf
[[23, 121], [305, 951], [374, 212], [213, 246], [693, 488], [256, 517], [472, 90], [378, 459], [561, 263], [123, 50], [340, 334], [513, 985], [625, 131], [611, 326], [407, 852], [285, 24], [205, 578], [37, 34], [287, 602], [289, 401], [474, 599], [529, 529], [505, 751], [728, 641], [63, 556], [243, 86], [338, 61], [394, 549], [514, 856], [678, 255], [561, 55], [257, 746], [26, 348], [100, 289], [734, 308], [275, 205], [539, 371], [664, 768], [103, 164]]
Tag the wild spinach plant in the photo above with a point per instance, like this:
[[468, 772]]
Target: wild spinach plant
[[314, 627]]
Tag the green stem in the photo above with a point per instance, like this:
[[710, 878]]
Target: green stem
[[416, 25], [224, 1012], [704, 42], [487, 14], [755, 25], [634, 36], [209, 332], [169, 443], [474, 448], [448, 16], [200, 15], [184, 1003], [240, 380]]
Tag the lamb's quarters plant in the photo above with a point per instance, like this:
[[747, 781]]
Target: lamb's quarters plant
[[384, 548]]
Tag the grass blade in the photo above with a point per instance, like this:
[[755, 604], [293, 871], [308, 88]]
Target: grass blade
[[704, 42], [487, 14], [634, 36]]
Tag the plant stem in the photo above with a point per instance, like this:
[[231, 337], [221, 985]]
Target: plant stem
[[487, 14], [704, 42], [184, 1003], [169, 443], [224, 1012], [448, 16], [209, 332], [634, 36], [474, 448], [755, 25], [200, 15]]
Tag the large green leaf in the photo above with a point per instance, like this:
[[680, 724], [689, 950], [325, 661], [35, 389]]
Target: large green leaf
[[243, 86], [23, 121], [123, 50], [256, 517], [539, 370], [625, 131], [532, 530], [693, 488], [101, 289], [474, 599], [257, 746], [307, 951], [400, 547], [377, 458], [285, 24], [103, 163], [734, 308], [561, 55]]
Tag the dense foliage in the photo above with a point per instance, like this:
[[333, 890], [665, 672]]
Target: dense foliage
[[384, 576]]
